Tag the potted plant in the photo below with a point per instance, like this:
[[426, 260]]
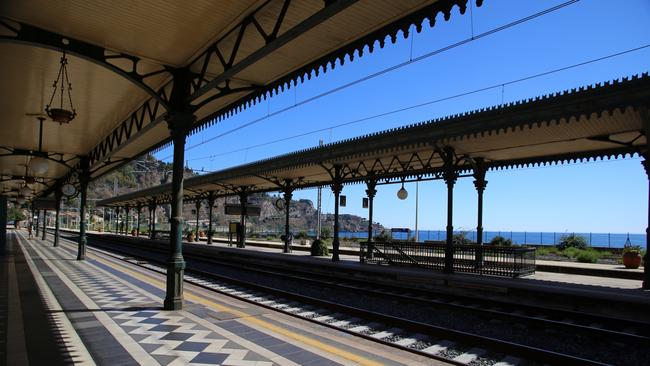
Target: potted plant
[[189, 236], [302, 236], [632, 256]]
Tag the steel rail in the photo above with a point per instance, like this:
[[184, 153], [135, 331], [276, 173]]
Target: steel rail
[[419, 327]]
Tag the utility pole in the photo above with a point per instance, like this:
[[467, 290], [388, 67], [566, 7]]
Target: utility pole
[[417, 193], [318, 203]]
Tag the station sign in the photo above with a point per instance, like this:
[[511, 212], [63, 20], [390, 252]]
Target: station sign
[[235, 209], [44, 204]]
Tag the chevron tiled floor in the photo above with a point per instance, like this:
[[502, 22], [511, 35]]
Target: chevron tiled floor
[[109, 314]]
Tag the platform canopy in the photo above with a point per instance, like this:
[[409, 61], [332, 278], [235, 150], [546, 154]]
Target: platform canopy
[[595, 122], [126, 60]]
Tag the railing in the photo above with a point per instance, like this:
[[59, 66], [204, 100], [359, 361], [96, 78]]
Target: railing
[[480, 259]]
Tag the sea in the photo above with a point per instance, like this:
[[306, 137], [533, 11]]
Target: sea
[[602, 240]]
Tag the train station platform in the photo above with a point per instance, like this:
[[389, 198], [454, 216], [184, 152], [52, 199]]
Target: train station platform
[[57, 310], [564, 290]]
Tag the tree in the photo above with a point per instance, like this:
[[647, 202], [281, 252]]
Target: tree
[[15, 214]]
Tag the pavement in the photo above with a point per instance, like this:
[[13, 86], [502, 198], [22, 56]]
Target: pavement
[[57, 310]]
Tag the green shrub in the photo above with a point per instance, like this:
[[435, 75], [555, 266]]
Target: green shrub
[[588, 256], [501, 241], [325, 232], [382, 237], [571, 252], [460, 239], [319, 248], [572, 241], [301, 235], [547, 251]]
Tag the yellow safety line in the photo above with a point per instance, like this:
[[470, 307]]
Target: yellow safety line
[[247, 318]]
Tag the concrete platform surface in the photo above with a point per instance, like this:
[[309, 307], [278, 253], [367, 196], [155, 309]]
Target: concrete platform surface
[[101, 311]]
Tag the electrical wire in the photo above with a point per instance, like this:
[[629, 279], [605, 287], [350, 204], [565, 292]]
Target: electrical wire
[[387, 70], [459, 95]]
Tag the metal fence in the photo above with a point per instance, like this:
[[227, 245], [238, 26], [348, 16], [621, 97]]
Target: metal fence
[[480, 259]]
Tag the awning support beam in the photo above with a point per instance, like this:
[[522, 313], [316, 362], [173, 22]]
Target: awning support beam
[[450, 176], [84, 179], [211, 198], [288, 195], [337, 187], [57, 212], [44, 236], [23, 33], [371, 191], [198, 210], [243, 202]]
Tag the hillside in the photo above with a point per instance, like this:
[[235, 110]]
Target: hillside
[[148, 171]]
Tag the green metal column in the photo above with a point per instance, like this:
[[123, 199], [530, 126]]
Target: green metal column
[[480, 183], [645, 152], [44, 236], [117, 220], [371, 191], [137, 228], [179, 125], [288, 194], [84, 178], [198, 210], [210, 205], [243, 202], [152, 219], [337, 187], [36, 223], [57, 219], [128, 219], [450, 176], [3, 223]]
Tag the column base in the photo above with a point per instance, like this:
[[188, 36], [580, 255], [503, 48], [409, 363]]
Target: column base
[[81, 251], [175, 274]]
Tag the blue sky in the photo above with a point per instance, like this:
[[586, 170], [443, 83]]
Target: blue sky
[[609, 196]]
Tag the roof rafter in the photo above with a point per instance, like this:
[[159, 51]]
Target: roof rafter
[[27, 34], [272, 42]]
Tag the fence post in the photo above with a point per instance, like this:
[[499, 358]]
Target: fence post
[[524, 237], [609, 240]]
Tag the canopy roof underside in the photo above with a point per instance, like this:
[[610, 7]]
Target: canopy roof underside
[[123, 58], [597, 122]]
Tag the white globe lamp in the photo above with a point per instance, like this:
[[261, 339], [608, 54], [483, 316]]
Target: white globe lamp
[[39, 165], [402, 193], [25, 191]]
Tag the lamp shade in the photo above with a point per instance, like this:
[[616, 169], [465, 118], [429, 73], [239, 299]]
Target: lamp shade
[[25, 191], [39, 165], [402, 193]]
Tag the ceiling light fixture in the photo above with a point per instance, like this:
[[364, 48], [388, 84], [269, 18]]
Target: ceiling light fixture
[[61, 114]]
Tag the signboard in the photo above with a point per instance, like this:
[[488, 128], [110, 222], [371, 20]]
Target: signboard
[[365, 202], [400, 230], [342, 201], [45, 204], [235, 209], [233, 228]]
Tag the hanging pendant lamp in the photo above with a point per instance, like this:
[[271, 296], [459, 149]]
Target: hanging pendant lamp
[[61, 113]]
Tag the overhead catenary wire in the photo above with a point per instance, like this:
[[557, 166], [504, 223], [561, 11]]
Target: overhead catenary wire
[[438, 100], [384, 71]]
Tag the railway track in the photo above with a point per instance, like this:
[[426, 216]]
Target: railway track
[[425, 339]]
